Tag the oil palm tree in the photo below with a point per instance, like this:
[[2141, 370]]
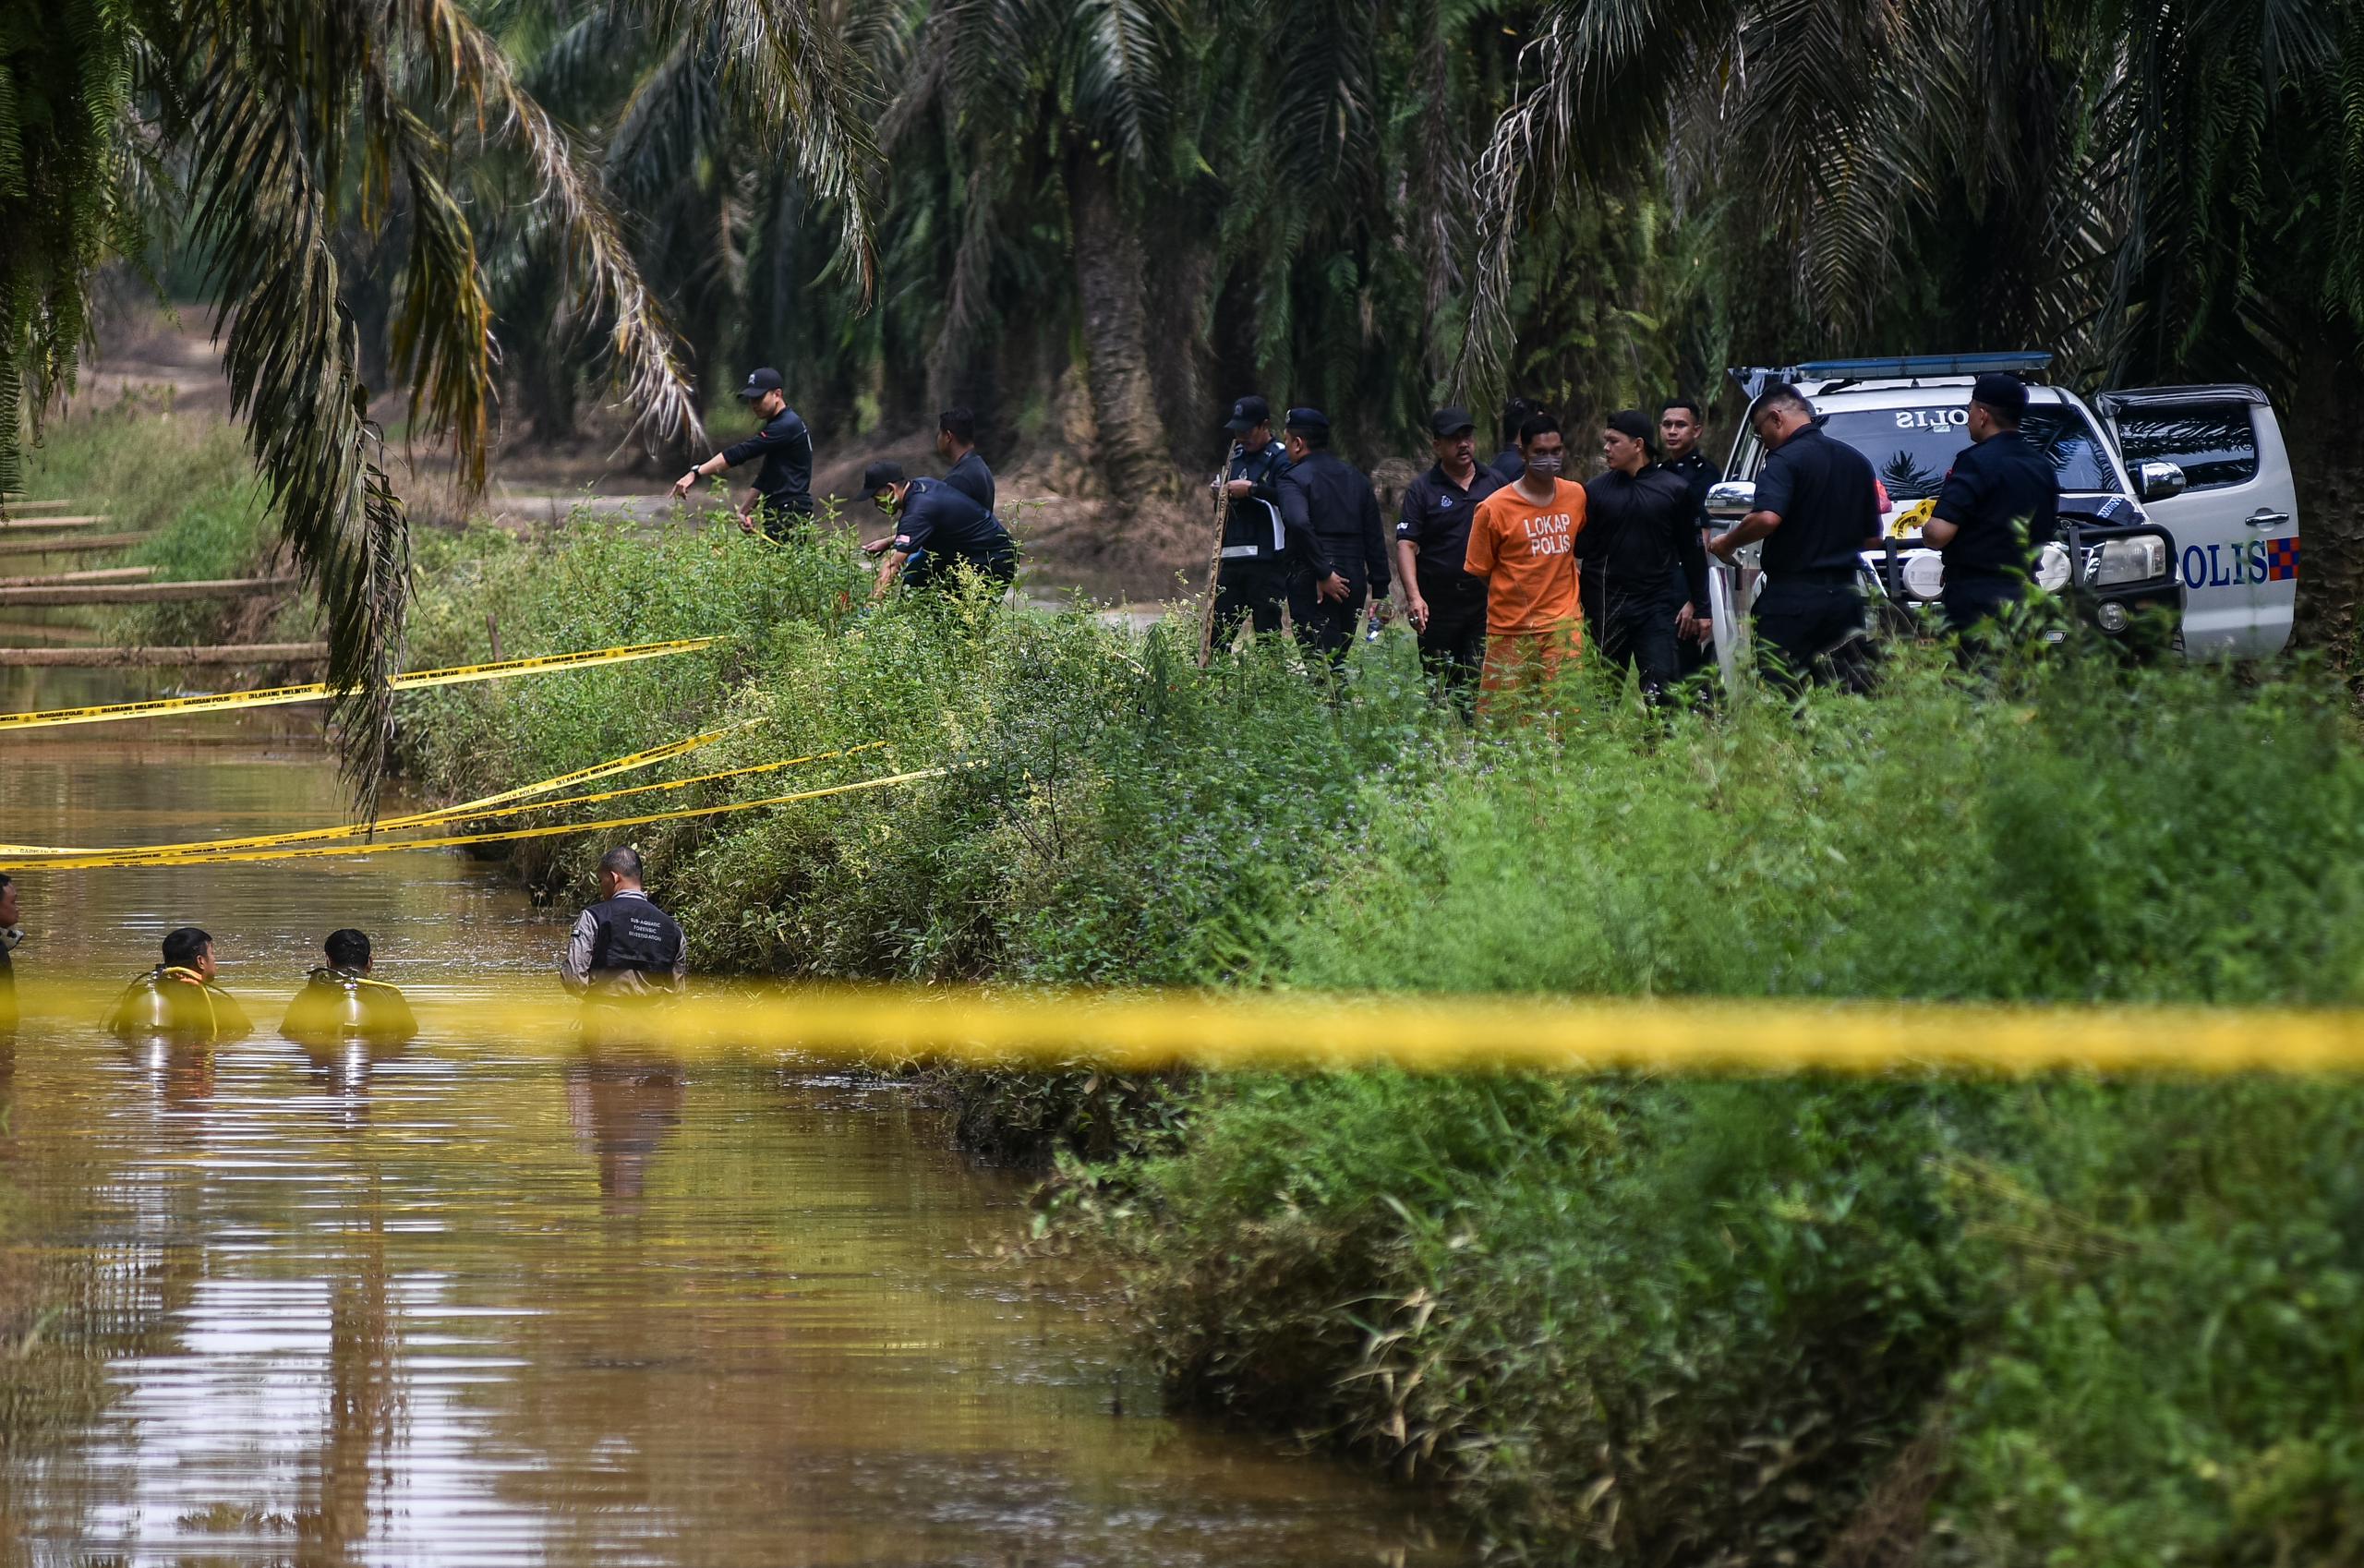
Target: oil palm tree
[[246, 128]]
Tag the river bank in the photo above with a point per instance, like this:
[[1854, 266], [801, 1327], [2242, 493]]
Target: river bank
[[1903, 1319], [469, 1301]]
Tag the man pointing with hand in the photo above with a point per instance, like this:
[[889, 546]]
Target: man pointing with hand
[[783, 491]]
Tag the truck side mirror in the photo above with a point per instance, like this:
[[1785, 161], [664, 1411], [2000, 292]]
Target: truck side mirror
[[2155, 480], [1729, 501]]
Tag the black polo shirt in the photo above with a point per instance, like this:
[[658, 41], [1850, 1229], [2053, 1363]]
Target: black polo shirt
[[2004, 498], [937, 517], [973, 479], [1436, 514], [785, 482], [1828, 503]]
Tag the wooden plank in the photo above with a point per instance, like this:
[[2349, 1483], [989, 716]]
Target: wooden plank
[[91, 520], [95, 574], [15, 505], [163, 659], [145, 593], [72, 544]]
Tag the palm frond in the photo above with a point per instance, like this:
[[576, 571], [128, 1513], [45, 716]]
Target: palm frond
[[790, 78], [607, 281], [291, 353]]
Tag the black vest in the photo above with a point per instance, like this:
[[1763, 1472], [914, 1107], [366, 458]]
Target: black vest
[[1252, 525], [633, 933]]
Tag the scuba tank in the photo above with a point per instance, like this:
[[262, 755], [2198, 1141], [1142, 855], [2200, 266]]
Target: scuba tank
[[160, 1002], [349, 1013]]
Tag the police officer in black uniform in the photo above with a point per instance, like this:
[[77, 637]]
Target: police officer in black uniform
[[11, 934], [936, 528], [956, 443], [1253, 571], [1999, 505], [624, 947], [1332, 516], [1818, 507], [1644, 537], [1682, 426], [783, 491], [1446, 605], [1509, 462]]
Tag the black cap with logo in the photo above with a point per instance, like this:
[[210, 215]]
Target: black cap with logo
[[761, 382], [881, 475], [1308, 419], [2001, 392], [1246, 414], [1449, 422]]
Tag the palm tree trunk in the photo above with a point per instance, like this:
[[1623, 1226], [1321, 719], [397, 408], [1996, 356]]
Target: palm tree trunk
[[1112, 286], [2329, 469]]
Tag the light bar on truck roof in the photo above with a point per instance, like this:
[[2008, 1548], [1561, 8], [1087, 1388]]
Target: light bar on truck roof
[[1756, 379]]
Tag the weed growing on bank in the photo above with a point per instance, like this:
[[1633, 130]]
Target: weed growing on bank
[[1904, 1319], [1112, 813], [189, 485]]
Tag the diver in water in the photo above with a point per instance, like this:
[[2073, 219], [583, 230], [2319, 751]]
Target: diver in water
[[341, 1002], [178, 997]]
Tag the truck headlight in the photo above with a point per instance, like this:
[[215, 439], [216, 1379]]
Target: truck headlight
[[2128, 561], [1925, 573]]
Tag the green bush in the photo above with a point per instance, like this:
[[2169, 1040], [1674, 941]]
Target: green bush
[[1887, 1319]]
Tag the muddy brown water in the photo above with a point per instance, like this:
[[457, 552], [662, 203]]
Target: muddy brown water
[[464, 1305]]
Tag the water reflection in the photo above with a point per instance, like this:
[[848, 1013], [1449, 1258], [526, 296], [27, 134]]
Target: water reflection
[[341, 1306], [622, 1104]]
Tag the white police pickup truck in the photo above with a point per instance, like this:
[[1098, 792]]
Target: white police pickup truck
[[2171, 497]]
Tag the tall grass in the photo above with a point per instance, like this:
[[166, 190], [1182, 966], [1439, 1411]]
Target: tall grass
[[1900, 1318], [188, 484]]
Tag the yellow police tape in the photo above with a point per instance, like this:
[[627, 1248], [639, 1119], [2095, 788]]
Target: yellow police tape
[[596, 771], [411, 681], [314, 851], [1134, 1031], [207, 851]]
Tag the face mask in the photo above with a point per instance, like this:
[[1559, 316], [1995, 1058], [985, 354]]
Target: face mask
[[1546, 465], [11, 938]]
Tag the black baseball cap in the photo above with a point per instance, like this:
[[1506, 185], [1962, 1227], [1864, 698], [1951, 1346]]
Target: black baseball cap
[[761, 382], [1308, 419], [1451, 422], [1246, 414], [880, 475], [2001, 392]]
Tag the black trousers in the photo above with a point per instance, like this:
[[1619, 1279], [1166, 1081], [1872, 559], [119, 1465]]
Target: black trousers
[[1969, 601], [775, 520], [1326, 625], [1638, 633], [1249, 590], [1454, 645], [1804, 629], [934, 569]]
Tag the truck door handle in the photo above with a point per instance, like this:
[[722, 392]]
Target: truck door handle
[[2266, 518]]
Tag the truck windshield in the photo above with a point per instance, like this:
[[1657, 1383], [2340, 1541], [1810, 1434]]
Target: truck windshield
[[1911, 449]]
